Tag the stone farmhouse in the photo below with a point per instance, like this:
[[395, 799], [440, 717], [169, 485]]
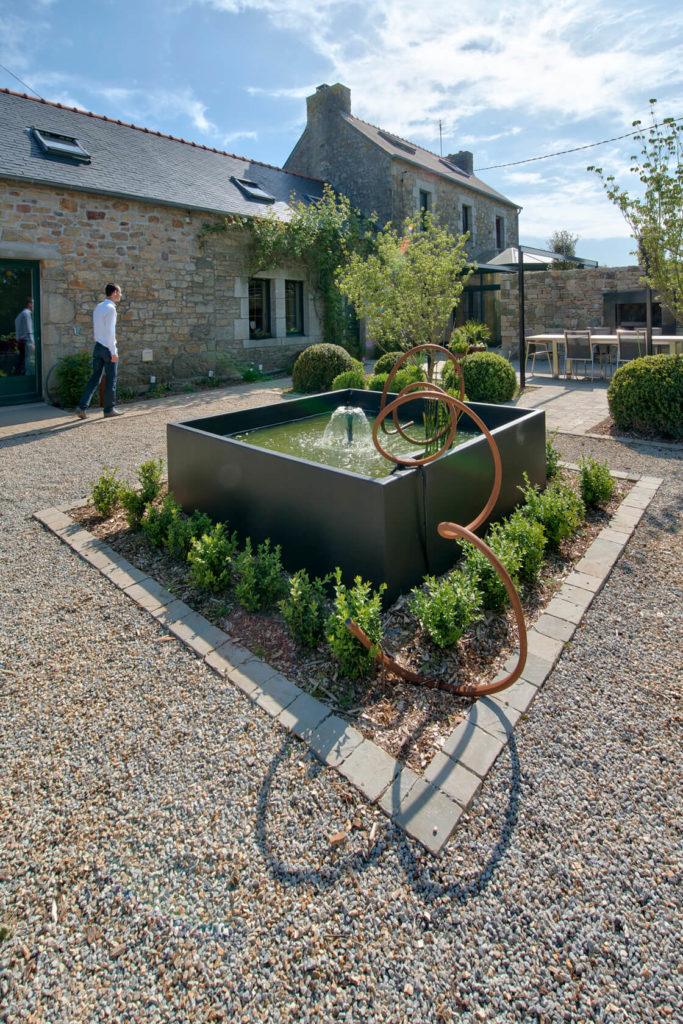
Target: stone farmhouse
[[86, 200]]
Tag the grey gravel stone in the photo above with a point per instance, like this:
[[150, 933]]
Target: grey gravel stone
[[166, 847]]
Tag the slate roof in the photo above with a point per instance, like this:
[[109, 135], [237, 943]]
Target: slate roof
[[135, 163], [410, 152]]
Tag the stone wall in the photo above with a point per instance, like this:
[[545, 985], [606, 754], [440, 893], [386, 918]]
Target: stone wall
[[556, 300], [184, 304]]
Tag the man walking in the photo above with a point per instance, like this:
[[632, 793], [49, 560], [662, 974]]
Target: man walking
[[105, 356], [23, 330]]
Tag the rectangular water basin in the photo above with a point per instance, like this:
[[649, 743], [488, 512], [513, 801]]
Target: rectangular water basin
[[383, 529]]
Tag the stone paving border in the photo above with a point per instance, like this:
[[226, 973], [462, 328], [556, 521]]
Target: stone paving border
[[427, 807]]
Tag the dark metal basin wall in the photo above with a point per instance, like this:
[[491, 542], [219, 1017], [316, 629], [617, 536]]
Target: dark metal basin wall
[[383, 530]]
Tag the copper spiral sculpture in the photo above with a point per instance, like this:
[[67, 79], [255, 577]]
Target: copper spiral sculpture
[[444, 436]]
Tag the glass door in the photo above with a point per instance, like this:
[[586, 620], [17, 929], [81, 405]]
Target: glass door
[[19, 366]]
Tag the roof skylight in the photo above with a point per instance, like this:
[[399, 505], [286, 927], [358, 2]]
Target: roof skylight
[[453, 167], [399, 143], [253, 190], [61, 145]]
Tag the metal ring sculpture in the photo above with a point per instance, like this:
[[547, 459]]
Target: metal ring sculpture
[[451, 531]]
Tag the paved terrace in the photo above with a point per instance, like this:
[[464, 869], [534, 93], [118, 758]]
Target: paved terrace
[[169, 852]]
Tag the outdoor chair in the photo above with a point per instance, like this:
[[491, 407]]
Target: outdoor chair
[[630, 345], [538, 348], [603, 352], [578, 348]]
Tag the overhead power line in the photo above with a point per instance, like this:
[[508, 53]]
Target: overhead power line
[[576, 149], [20, 81]]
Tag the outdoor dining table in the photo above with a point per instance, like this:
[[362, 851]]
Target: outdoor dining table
[[660, 342]]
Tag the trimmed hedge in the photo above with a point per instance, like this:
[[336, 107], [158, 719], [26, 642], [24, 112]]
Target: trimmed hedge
[[318, 365], [488, 378], [647, 395], [387, 362], [349, 379]]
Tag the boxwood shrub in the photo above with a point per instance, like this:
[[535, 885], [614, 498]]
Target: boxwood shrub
[[488, 378], [387, 362], [647, 395], [318, 365], [349, 379]]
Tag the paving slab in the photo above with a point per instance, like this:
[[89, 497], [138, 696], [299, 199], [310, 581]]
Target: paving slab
[[544, 647], [423, 811], [250, 675], [473, 747], [558, 629], [582, 581], [303, 715], [149, 594], [231, 654], [333, 740], [277, 693], [456, 781], [566, 610], [370, 769]]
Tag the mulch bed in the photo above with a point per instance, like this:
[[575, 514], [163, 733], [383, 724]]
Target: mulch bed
[[409, 722]]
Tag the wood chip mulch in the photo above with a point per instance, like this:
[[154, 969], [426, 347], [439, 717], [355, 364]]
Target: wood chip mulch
[[409, 722]]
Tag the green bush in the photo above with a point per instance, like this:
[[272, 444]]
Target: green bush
[[149, 477], [559, 509], [364, 606], [403, 377], [133, 506], [349, 379], [552, 457], [647, 395], [318, 365], [259, 576], [531, 542], [210, 558], [304, 609], [445, 608], [494, 596], [106, 493], [488, 377], [597, 484], [158, 520], [72, 373], [387, 361], [181, 530]]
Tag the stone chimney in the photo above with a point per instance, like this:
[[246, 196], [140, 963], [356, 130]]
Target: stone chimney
[[319, 150], [464, 160], [326, 99]]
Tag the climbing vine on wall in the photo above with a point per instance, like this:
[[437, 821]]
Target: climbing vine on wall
[[321, 235]]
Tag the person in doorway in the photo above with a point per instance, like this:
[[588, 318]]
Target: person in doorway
[[23, 329], [105, 356]]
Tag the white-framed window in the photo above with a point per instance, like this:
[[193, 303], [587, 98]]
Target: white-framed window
[[294, 307], [259, 308]]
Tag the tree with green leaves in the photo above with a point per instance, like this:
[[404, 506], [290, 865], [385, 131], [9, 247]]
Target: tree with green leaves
[[564, 243], [655, 214], [408, 286]]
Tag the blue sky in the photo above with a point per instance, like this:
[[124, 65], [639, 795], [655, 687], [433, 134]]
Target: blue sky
[[507, 81]]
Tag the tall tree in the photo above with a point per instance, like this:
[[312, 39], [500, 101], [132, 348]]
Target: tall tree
[[564, 243], [655, 215], [408, 287]]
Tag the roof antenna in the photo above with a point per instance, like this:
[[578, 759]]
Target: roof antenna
[[440, 140], [21, 82]]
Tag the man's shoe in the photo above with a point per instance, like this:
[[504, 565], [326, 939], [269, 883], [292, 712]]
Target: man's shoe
[[80, 413], [113, 412]]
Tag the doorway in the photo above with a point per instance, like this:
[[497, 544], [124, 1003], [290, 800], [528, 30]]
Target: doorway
[[19, 368]]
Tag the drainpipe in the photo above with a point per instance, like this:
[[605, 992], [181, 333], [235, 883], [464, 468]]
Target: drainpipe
[[648, 319]]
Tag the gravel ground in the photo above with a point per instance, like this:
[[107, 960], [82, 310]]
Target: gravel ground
[[164, 847]]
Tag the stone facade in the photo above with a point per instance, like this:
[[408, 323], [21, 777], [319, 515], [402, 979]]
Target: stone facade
[[557, 300], [360, 161], [185, 309]]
